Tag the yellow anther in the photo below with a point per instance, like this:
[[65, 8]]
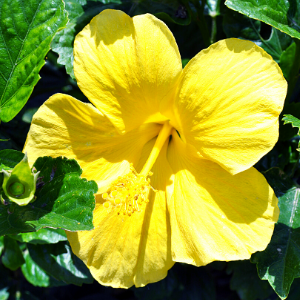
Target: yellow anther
[[129, 192], [106, 204]]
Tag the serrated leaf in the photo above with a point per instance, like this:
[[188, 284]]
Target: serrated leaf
[[59, 262], [63, 200], [295, 123], [280, 262], [286, 132], [283, 15], [63, 41], [36, 275], [240, 26], [12, 257], [245, 281], [26, 31], [292, 120], [43, 236]]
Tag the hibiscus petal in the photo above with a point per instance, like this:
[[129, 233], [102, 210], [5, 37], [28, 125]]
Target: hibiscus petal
[[123, 251], [215, 215], [228, 103], [64, 126], [127, 67]]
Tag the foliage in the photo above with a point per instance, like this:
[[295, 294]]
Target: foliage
[[281, 15], [27, 28], [280, 262], [36, 259], [62, 200]]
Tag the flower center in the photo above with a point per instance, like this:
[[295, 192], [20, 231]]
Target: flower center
[[17, 189], [129, 192]]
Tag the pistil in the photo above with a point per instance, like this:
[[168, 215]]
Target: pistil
[[128, 193]]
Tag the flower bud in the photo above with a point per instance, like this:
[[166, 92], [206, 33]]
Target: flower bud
[[19, 184]]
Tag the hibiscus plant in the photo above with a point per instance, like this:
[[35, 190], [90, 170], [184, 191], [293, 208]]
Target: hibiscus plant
[[150, 149]]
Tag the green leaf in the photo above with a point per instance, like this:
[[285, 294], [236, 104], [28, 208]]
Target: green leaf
[[240, 26], [295, 290], [10, 158], [26, 31], [246, 282], [283, 15], [280, 262], [1, 244], [36, 275], [12, 257], [287, 60], [184, 62], [58, 261], [63, 41], [295, 123], [43, 236], [63, 200], [286, 132], [289, 119]]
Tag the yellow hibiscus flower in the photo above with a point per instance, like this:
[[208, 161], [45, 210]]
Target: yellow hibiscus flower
[[198, 130]]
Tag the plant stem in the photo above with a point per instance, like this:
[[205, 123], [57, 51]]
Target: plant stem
[[294, 71], [295, 167], [213, 29], [201, 22]]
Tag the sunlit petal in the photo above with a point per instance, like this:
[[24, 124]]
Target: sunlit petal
[[131, 250], [64, 126], [127, 67], [215, 215], [228, 103]]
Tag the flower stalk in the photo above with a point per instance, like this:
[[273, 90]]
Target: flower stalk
[[19, 184], [294, 75]]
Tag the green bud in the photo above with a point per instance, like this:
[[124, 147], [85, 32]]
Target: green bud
[[19, 184]]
